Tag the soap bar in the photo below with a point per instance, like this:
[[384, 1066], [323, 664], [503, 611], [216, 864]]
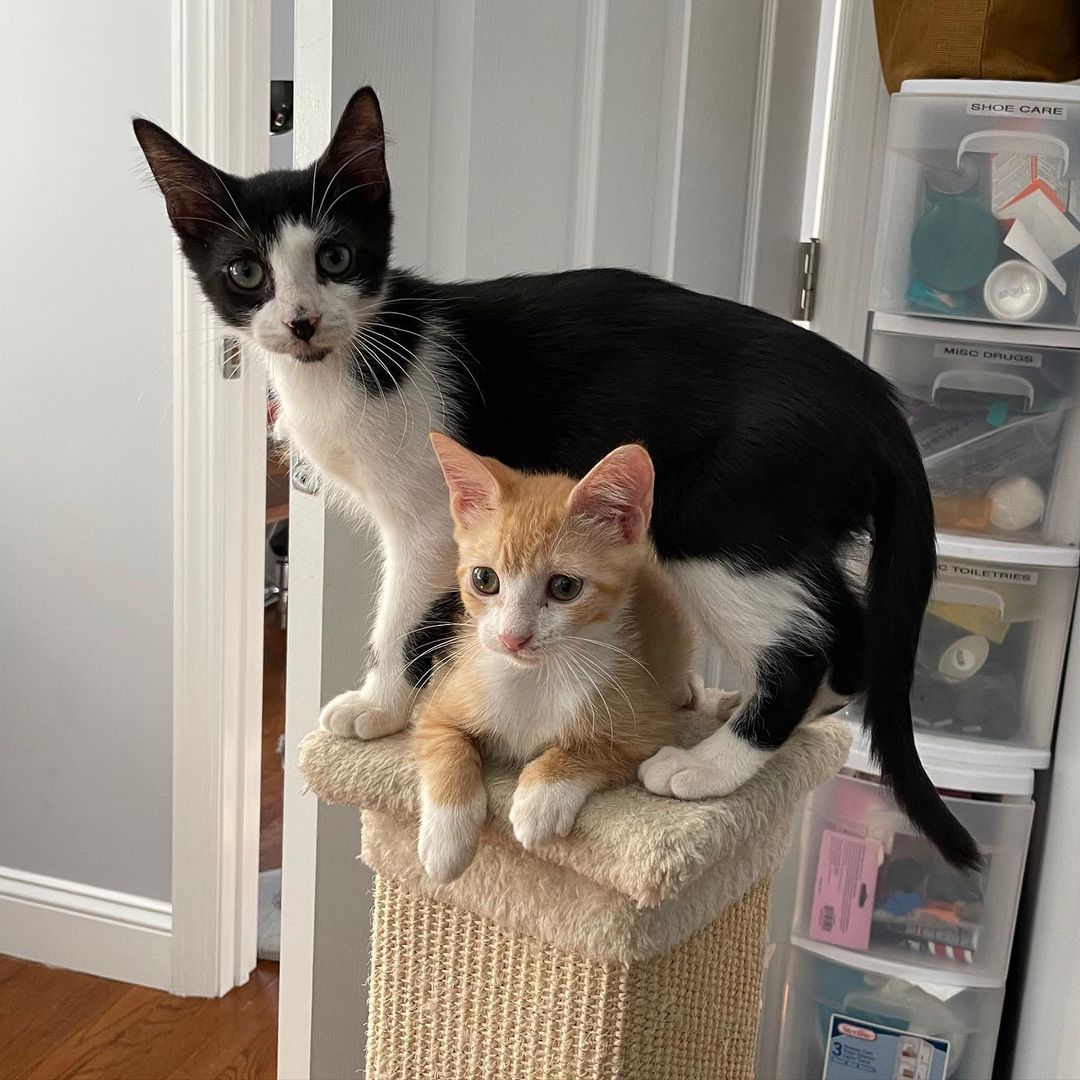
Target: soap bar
[[962, 512]]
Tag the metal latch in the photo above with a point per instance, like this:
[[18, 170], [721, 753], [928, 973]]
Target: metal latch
[[231, 358], [281, 106], [305, 477], [809, 257]]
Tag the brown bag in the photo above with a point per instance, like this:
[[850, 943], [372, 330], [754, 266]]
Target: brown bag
[[978, 39]]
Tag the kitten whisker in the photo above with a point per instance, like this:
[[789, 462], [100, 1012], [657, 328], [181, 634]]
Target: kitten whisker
[[615, 648], [245, 229], [408, 354], [344, 165], [348, 191], [380, 360], [232, 199]]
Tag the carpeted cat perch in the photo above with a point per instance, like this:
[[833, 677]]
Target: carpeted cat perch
[[631, 949]]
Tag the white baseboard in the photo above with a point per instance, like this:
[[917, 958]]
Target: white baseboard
[[81, 927]]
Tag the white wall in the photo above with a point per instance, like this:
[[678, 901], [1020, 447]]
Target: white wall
[[86, 446]]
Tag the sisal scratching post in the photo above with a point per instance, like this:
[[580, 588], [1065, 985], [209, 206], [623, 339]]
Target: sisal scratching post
[[631, 950]]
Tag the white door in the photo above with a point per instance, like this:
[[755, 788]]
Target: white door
[[667, 136]]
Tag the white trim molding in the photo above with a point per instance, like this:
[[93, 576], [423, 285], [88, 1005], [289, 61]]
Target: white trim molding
[[84, 928], [221, 57], [851, 180]]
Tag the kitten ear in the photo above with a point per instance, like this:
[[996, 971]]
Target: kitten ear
[[196, 197], [356, 155], [618, 492], [474, 491]]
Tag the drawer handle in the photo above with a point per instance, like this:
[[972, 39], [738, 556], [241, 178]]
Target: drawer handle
[[980, 381], [1014, 142], [954, 592]]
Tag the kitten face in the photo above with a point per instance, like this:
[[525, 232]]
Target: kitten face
[[546, 565], [292, 260]]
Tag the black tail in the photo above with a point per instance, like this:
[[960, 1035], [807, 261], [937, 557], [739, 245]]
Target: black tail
[[902, 569]]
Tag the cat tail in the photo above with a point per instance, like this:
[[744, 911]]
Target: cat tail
[[902, 567]]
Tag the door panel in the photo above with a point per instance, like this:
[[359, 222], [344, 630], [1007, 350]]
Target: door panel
[[522, 137]]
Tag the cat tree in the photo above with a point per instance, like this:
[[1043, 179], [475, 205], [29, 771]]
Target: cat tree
[[631, 949]]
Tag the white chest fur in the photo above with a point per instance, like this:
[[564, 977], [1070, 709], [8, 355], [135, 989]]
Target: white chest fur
[[373, 446], [530, 708]]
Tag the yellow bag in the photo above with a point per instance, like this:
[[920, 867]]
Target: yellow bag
[[1037, 40]]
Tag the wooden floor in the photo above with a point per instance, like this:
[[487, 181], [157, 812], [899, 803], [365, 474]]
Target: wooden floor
[[273, 778], [60, 1024], [56, 1025]]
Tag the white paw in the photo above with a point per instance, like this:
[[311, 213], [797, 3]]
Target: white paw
[[656, 773], [541, 812], [355, 715], [449, 836], [727, 701], [710, 770], [693, 693]]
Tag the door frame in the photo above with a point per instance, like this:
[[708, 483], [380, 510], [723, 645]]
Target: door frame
[[220, 101], [852, 164]]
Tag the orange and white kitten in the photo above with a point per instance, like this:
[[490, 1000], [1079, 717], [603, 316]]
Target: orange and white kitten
[[573, 658]]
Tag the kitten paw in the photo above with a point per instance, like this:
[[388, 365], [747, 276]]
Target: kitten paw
[[354, 715], [726, 703], [704, 782], [714, 768], [449, 836], [656, 773], [693, 693], [540, 812]]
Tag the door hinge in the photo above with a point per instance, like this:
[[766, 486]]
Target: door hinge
[[809, 258], [231, 358]]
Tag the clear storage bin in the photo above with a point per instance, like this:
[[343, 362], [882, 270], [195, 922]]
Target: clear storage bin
[[995, 420], [991, 650], [979, 203], [893, 1026], [870, 886]]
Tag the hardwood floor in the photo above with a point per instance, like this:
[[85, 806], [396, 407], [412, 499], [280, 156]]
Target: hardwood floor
[[56, 1025], [273, 778]]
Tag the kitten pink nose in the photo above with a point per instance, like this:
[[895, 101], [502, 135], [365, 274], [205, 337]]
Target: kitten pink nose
[[304, 328], [515, 642]]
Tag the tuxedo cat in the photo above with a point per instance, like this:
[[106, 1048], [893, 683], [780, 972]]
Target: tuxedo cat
[[773, 449]]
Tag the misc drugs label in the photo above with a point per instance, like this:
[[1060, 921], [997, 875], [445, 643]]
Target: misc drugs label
[[860, 1049]]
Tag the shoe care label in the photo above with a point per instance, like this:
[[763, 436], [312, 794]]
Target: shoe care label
[[860, 1049], [963, 350], [1044, 110]]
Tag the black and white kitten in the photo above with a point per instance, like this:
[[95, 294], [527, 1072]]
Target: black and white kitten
[[773, 448]]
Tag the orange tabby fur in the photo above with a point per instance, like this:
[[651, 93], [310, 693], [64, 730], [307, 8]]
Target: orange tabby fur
[[596, 689]]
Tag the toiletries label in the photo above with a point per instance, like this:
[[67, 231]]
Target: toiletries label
[[857, 1049], [1044, 110], [1002, 575], [990, 354], [843, 905]]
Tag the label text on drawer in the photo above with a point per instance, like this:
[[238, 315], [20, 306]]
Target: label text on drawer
[[1004, 575], [960, 350], [1045, 110]]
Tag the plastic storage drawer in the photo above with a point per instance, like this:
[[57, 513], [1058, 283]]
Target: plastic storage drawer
[[895, 1021], [991, 651], [870, 887], [979, 203], [995, 420]]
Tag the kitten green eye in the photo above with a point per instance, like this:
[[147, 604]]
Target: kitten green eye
[[563, 587], [485, 580], [334, 259], [247, 273]]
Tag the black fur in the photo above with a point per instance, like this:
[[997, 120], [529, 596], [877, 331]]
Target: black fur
[[773, 448]]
